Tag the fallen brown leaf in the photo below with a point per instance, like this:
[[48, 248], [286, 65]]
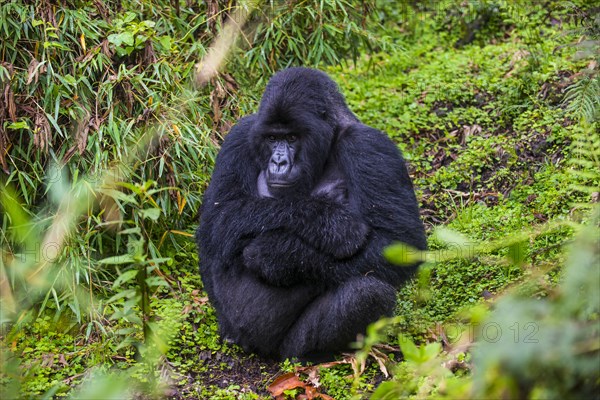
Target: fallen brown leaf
[[285, 382], [291, 381]]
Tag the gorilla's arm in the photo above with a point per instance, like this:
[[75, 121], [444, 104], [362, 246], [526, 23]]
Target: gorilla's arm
[[232, 210], [379, 185], [321, 224], [281, 258]]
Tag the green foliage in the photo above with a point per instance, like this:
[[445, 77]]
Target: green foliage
[[523, 347], [585, 164], [83, 102], [547, 348], [534, 189], [72, 101], [106, 148], [86, 85], [582, 98], [336, 381], [308, 33], [130, 35], [415, 375]]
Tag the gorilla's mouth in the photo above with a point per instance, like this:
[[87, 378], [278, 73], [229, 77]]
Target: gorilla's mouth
[[281, 184]]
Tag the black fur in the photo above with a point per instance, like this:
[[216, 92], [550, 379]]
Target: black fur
[[299, 274]]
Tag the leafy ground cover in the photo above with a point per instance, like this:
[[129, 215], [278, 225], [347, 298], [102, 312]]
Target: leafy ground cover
[[495, 106]]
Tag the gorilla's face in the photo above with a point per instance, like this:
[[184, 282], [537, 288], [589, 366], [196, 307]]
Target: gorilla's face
[[299, 115], [290, 155], [282, 171]]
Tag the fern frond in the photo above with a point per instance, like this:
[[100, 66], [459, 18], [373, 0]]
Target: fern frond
[[585, 161], [583, 98]]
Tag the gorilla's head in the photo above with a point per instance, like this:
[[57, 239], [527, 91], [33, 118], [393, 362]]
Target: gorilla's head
[[300, 114]]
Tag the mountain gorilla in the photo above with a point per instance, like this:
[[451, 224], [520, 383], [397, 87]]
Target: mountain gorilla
[[302, 201]]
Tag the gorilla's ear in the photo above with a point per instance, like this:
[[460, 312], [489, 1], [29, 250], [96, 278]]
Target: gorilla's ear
[[344, 119]]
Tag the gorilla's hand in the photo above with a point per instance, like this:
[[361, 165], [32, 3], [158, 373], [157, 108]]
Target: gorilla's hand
[[335, 190], [265, 256], [330, 227]]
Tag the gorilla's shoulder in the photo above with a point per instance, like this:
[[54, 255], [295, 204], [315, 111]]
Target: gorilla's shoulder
[[241, 130], [235, 143], [366, 139]]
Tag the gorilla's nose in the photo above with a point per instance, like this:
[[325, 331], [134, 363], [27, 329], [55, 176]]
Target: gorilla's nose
[[279, 164]]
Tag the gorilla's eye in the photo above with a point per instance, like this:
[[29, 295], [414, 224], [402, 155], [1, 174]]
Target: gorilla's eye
[[271, 138], [292, 138]]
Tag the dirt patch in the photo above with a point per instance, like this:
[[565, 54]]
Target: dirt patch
[[250, 373]]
